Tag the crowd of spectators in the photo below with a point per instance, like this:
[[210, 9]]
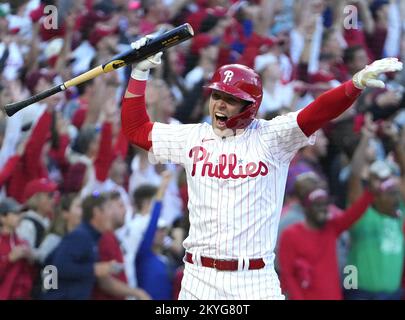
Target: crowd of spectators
[[77, 196]]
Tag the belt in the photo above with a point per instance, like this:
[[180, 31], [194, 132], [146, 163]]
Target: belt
[[225, 265]]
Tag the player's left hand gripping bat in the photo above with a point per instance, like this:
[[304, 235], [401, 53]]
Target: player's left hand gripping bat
[[153, 45]]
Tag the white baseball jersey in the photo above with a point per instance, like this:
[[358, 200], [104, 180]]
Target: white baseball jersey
[[236, 184]]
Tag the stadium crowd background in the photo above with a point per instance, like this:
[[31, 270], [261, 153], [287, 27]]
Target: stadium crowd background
[[65, 160]]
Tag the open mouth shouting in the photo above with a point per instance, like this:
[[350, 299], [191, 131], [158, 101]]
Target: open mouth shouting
[[220, 119]]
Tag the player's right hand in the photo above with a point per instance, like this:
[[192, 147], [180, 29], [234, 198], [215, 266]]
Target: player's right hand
[[150, 62]]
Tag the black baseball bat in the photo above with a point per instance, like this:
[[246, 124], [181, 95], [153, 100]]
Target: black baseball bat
[[153, 45]]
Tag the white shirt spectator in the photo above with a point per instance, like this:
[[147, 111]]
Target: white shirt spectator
[[281, 97], [26, 229], [47, 246], [83, 55], [194, 77], [22, 23], [131, 236], [172, 205], [14, 61], [393, 40]]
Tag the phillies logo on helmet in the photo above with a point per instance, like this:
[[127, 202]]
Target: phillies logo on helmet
[[228, 76]]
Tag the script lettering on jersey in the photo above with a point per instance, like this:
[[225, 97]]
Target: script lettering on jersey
[[227, 166]]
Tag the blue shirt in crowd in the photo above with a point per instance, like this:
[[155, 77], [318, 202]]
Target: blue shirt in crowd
[[74, 260], [152, 270]]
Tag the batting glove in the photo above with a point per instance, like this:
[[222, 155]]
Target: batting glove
[[141, 69], [367, 77]]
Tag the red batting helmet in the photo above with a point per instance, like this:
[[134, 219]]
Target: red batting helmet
[[241, 82]]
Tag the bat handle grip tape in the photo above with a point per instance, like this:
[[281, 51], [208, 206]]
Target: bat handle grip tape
[[12, 108]]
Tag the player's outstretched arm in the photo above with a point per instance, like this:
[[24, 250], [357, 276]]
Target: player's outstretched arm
[[335, 101], [135, 121]]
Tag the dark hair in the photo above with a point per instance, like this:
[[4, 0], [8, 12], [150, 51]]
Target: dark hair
[[81, 88], [66, 201], [350, 52], [301, 187], [142, 193], [327, 34], [375, 7], [84, 139], [191, 62], [14, 5], [208, 23], [95, 200], [59, 225], [147, 4], [114, 195], [325, 57], [3, 124]]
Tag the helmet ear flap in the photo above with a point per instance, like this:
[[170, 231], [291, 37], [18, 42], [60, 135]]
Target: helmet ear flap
[[247, 104], [244, 118]]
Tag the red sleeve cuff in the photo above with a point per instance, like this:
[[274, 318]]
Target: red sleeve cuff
[[137, 87], [351, 91]]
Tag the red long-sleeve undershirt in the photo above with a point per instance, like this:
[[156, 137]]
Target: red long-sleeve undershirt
[[327, 107], [137, 125], [135, 121]]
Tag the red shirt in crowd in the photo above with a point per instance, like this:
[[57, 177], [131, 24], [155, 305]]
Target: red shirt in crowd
[[16, 278], [308, 259], [178, 277], [109, 249], [30, 166]]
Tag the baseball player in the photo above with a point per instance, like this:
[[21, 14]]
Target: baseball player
[[236, 172]]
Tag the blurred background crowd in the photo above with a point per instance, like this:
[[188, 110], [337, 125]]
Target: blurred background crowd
[[76, 195]]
